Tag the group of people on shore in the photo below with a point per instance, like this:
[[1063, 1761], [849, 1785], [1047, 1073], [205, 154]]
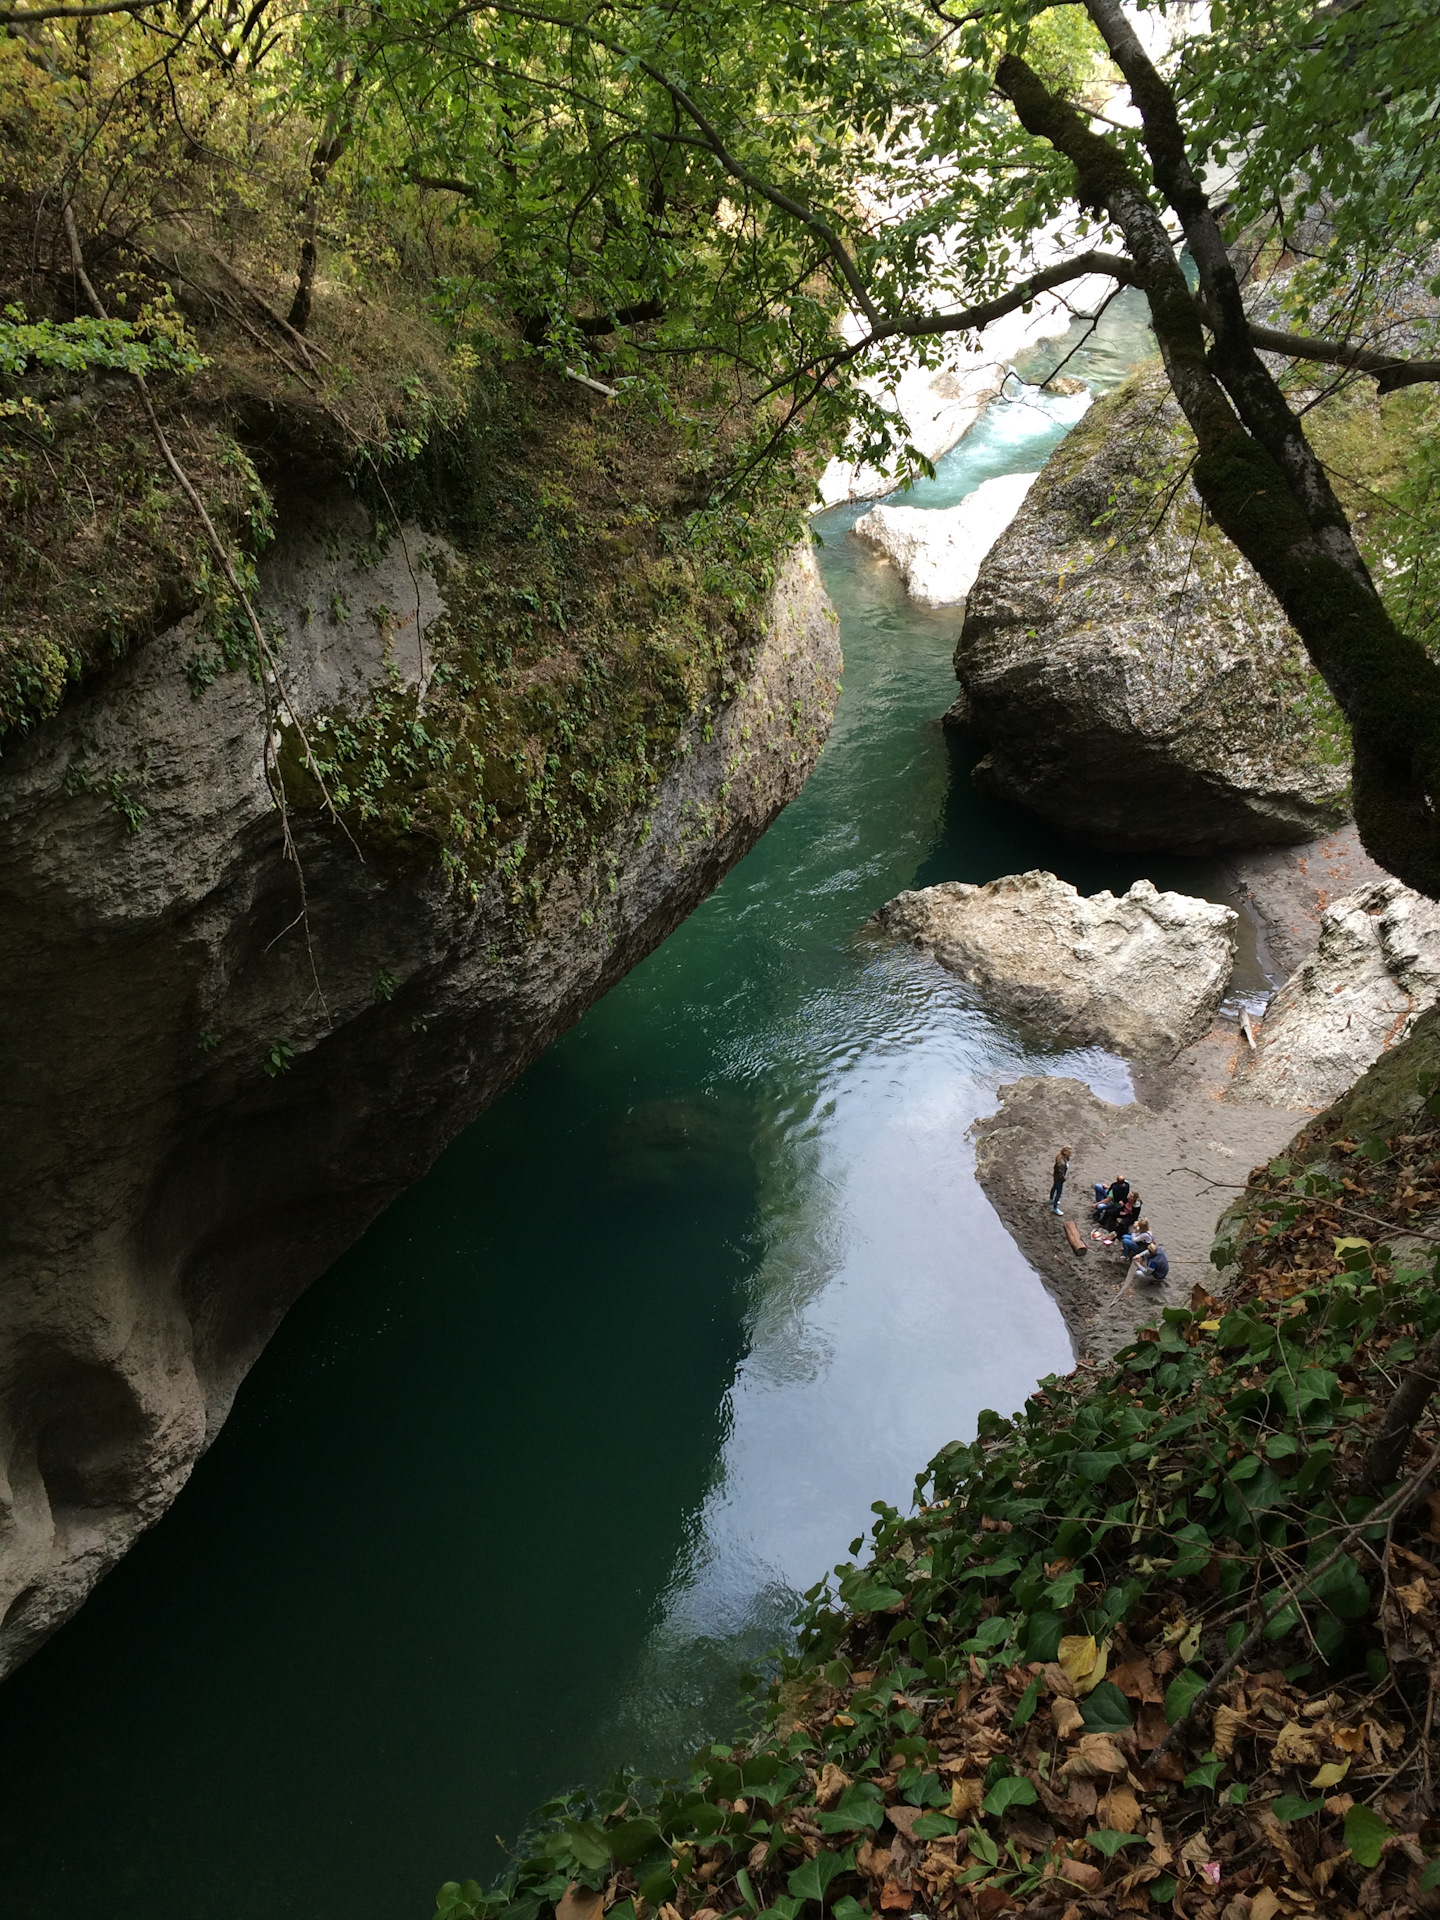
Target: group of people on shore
[[1121, 1222]]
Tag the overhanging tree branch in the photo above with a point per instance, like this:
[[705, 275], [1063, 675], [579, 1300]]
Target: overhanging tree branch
[[1255, 471]]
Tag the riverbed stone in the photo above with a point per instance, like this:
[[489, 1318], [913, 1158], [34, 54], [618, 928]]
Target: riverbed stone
[[1374, 972], [1130, 677], [938, 551], [1141, 975]]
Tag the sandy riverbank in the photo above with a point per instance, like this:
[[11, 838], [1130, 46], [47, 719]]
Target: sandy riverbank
[[1182, 1145]]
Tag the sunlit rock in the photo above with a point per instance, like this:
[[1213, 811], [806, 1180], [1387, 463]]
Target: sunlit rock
[[1375, 971], [1141, 975], [938, 551]]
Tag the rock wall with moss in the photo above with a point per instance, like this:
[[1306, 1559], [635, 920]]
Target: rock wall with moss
[[278, 924], [1128, 675]]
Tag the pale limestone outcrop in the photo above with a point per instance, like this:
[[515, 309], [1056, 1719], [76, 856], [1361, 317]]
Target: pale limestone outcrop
[[1141, 975], [169, 1193], [1128, 674], [938, 551], [1375, 971]]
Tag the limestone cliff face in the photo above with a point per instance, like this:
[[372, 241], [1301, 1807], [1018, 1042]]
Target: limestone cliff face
[[204, 1108], [1131, 678]]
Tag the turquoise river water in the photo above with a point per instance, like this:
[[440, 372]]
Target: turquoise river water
[[541, 1465]]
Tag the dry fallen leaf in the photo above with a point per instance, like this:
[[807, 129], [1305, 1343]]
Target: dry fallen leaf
[[1294, 1747], [1067, 1717], [895, 1899], [1120, 1810], [1415, 1597], [1224, 1727], [829, 1787], [873, 1861], [1058, 1682], [1079, 1873], [965, 1797], [903, 1819], [1137, 1678], [1349, 1739], [1264, 1905], [1095, 1753], [581, 1903], [1196, 1849]]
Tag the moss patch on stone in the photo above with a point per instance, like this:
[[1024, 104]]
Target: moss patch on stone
[[596, 610]]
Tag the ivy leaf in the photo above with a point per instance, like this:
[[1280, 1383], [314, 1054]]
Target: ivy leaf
[[1013, 1791], [934, 1826], [1181, 1691], [1294, 1806], [810, 1879], [873, 1596], [1430, 1878], [1365, 1835], [1106, 1710], [1095, 1467], [861, 1805], [1109, 1842], [1025, 1706]]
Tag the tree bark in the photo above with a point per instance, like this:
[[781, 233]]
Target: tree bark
[[1387, 1450], [1256, 473]]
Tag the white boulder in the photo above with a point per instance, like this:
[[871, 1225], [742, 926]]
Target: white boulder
[[1141, 975], [938, 550], [1375, 970]]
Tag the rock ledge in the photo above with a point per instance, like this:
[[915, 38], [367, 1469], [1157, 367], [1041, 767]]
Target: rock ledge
[[1141, 975]]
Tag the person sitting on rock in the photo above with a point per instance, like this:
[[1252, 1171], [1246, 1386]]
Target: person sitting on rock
[[1137, 1240], [1152, 1266], [1057, 1179]]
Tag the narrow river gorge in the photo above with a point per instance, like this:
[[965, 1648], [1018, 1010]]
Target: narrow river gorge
[[528, 1479]]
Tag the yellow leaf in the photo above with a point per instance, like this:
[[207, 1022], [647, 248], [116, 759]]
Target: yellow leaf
[[1209, 1326], [1083, 1662], [1078, 1654], [1190, 1645], [1331, 1774]]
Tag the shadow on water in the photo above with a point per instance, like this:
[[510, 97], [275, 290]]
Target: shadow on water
[[541, 1464]]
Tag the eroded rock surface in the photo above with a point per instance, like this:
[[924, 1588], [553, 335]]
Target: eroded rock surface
[[202, 1112], [1142, 974], [1374, 972], [1131, 678], [938, 551]]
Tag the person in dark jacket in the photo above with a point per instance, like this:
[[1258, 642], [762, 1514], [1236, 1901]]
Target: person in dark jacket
[[1057, 1182], [1110, 1207]]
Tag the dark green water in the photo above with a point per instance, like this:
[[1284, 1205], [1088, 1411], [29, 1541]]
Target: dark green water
[[525, 1480]]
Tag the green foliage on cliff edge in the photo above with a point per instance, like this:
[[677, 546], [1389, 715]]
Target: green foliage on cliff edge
[[972, 1722], [599, 607], [592, 614]]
